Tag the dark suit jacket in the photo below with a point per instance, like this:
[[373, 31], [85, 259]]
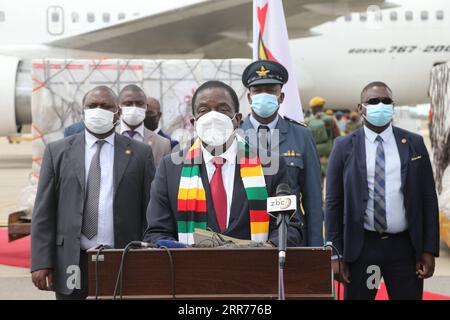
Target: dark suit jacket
[[59, 205], [173, 143], [347, 193], [162, 208], [74, 128]]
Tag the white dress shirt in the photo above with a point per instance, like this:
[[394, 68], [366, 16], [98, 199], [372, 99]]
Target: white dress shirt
[[228, 171], [105, 230], [395, 209], [138, 136]]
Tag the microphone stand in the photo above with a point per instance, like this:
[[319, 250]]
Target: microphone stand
[[282, 222]]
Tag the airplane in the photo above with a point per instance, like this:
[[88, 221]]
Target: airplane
[[338, 46]]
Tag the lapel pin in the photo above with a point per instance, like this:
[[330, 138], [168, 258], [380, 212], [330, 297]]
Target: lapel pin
[[128, 152], [403, 140]]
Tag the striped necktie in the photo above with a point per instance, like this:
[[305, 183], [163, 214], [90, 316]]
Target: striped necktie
[[379, 198]]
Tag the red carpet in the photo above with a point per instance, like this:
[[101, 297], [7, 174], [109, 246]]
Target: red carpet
[[16, 253], [382, 294]]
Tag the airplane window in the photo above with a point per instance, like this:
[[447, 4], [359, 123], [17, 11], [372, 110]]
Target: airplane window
[[90, 17], [348, 18], [75, 17], [363, 17], [394, 16], [2, 16], [55, 20], [424, 15], [408, 15], [55, 16], [440, 15], [121, 16], [106, 17]]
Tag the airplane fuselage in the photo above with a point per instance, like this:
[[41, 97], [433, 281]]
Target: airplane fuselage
[[398, 46]]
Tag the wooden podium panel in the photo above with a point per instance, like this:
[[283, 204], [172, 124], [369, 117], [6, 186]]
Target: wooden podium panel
[[213, 273]]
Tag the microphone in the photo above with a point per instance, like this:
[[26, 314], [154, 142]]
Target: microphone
[[284, 203], [170, 244], [282, 207]]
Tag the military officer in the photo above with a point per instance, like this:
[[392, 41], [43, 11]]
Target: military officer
[[324, 129], [264, 80], [353, 124]]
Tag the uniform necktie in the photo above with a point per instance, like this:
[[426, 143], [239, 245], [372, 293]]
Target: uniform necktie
[[379, 200], [90, 216], [218, 193], [263, 138]]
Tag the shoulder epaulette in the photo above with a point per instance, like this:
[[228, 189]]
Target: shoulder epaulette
[[303, 124]]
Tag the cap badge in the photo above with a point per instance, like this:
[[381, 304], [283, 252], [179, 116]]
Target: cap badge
[[262, 72]]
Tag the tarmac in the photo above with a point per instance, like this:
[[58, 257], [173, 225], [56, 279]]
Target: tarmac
[[15, 283]]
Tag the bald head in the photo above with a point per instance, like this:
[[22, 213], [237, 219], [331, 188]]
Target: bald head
[[100, 90], [132, 95], [375, 89], [153, 105], [153, 114]]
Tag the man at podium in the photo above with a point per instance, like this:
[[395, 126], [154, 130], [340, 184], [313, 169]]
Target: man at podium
[[218, 183]]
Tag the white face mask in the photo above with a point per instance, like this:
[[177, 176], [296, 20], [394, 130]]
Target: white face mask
[[133, 115], [98, 120], [214, 128]]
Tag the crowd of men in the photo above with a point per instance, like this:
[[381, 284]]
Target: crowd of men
[[116, 177]]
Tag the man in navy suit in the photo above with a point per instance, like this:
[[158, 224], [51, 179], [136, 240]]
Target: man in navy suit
[[381, 204]]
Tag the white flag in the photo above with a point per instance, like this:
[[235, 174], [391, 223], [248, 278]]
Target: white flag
[[271, 42]]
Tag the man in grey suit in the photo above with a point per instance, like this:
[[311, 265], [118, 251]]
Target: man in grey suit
[[93, 190], [133, 105]]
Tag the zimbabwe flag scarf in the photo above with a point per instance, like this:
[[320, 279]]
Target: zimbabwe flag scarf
[[192, 208]]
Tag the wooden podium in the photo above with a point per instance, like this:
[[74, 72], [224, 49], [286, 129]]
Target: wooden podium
[[212, 273]]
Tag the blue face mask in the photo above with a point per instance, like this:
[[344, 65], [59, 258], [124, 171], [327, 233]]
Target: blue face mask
[[264, 104], [379, 115]]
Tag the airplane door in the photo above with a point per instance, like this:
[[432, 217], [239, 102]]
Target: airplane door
[[55, 20]]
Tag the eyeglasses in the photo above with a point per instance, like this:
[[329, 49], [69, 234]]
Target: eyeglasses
[[375, 101]]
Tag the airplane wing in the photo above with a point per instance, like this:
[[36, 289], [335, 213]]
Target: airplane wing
[[213, 29]]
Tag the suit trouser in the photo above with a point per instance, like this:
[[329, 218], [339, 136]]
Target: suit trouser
[[391, 256], [82, 293]]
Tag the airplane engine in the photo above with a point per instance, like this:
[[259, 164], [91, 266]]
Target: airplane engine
[[15, 94]]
